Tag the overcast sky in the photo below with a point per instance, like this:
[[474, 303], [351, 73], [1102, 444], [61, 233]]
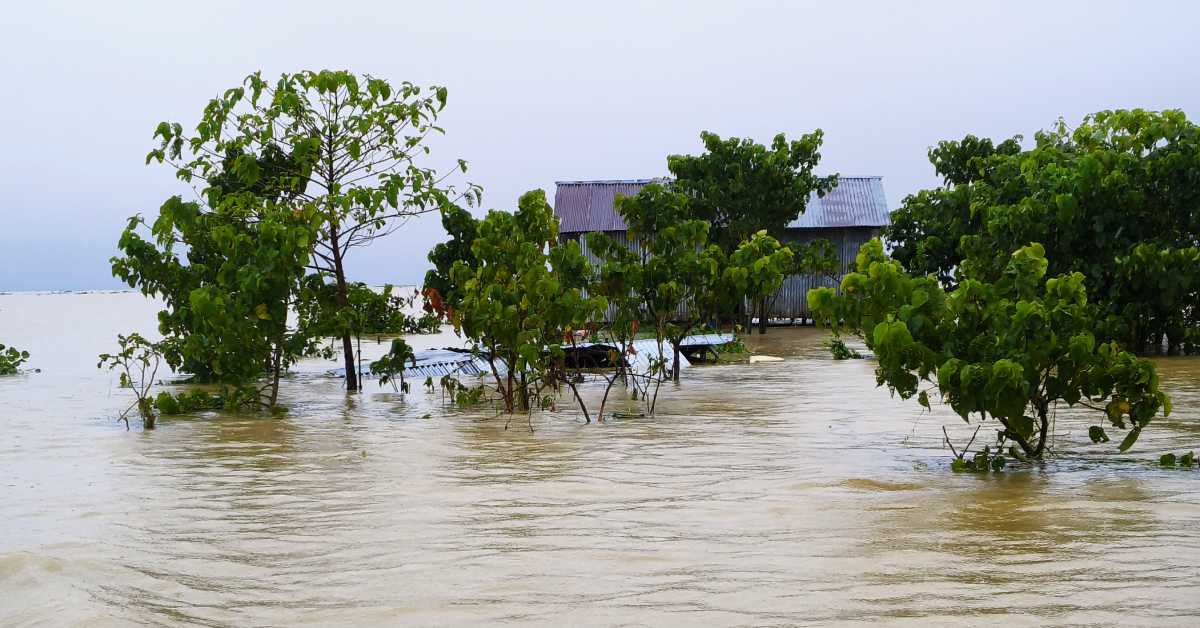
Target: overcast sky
[[551, 91]]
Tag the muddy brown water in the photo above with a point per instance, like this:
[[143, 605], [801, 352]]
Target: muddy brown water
[[772, 494]]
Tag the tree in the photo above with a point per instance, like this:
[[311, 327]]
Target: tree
[[392, 365], [1091, 195], [137, 364], [741, 187], [360, 139], [817, 257], [230, 274], [520, 300], [618, 279], [675, 263], [1012, 349], [757, 269], [461, 226]]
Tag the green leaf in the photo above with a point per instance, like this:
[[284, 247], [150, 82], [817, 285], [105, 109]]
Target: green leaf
[[1097, 434], [1130, 439]]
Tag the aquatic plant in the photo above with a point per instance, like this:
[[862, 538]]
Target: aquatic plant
[[1011, 350], [839, 350], [1187, 460], [11, 360]]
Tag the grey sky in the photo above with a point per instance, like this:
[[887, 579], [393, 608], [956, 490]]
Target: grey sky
[[548, 91]]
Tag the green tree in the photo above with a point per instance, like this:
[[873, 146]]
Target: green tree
[[521, 300], [618, 279], [392, 365], [1091, 195], [757, 269], [229, 296], [461, 226], [817, 257], [361, 140], [137, 363], [676, 265], [1012, 349], [741, 187]]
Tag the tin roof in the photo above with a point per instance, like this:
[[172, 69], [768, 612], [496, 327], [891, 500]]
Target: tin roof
[[439, 362], [436, 363], [583, 206]]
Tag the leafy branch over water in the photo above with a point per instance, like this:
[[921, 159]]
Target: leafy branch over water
[[11, 360]]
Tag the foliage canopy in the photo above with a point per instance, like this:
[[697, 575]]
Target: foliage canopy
[[1010, 349], [356, 144], [1117, 198], [521, 298], [740, 186], [11, 360]]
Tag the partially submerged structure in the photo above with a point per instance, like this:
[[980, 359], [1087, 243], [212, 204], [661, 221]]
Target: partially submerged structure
[[437, 363], [852, 213]]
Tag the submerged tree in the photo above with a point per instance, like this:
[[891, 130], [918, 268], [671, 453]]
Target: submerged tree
[[392, 365], [670, 266], [361, 141], [520, 300], [136, 363], [11, 360], [230, 274], [757, 269], [1115, 198], [1010, 349]]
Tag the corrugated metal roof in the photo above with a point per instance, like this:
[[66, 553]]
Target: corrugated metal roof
[[439, 362], [583, 206], [646, 348]]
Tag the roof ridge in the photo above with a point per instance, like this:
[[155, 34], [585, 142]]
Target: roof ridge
[[650, 180], [608, 181]]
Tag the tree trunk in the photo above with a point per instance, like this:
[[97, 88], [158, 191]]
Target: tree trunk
[[1138, 341], [604, 399], [587, 417], [762, 316], [343, 299], [508, 391], [675, 361], [275, 375], [1043, 419]]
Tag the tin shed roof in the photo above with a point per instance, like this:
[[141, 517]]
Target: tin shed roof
[[584, 206]]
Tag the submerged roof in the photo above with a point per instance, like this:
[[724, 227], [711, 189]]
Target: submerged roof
[[583, 206], [439, 362]]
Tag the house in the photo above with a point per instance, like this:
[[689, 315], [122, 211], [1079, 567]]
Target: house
[[853, 213]]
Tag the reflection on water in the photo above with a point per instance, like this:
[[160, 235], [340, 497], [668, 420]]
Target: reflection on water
[[780, 493]]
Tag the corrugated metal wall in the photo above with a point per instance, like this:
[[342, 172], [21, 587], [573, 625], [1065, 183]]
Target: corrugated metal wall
[[792, 299], [791, 302]]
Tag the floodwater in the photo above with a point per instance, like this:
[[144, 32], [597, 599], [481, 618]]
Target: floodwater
[[770, 494]]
